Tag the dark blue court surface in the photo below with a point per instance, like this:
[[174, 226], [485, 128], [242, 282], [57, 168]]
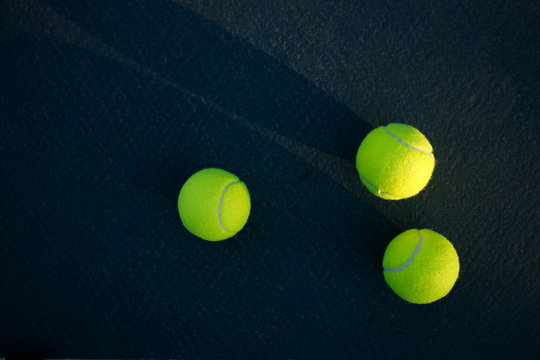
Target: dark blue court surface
[[108, 107]]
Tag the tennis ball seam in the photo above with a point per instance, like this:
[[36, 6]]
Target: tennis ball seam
[[409, 262], [379, 191], [221, 201], [406, 144]]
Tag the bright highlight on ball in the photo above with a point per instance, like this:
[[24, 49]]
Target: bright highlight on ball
[[421, 266], [214, 204], [395, 161]]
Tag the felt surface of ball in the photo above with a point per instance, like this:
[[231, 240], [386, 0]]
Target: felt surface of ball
[[421, 266], [395, 161], [214, 204]]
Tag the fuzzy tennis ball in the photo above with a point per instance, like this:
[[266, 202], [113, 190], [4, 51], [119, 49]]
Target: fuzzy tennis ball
[[395, 161], [214, 204], [421, 266]]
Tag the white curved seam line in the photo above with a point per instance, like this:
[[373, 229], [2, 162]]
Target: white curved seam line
[[378, 190], [404, 143], [221, 201], [409, 262]]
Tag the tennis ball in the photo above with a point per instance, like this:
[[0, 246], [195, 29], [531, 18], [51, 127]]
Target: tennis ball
[[395, 161], [214, 204], [421, 266]]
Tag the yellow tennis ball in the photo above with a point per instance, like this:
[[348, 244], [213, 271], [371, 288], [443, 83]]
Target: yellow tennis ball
[[214, 204], [395, 161], [421, 266]]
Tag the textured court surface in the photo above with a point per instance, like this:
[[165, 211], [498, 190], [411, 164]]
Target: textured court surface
[[107, 108]]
